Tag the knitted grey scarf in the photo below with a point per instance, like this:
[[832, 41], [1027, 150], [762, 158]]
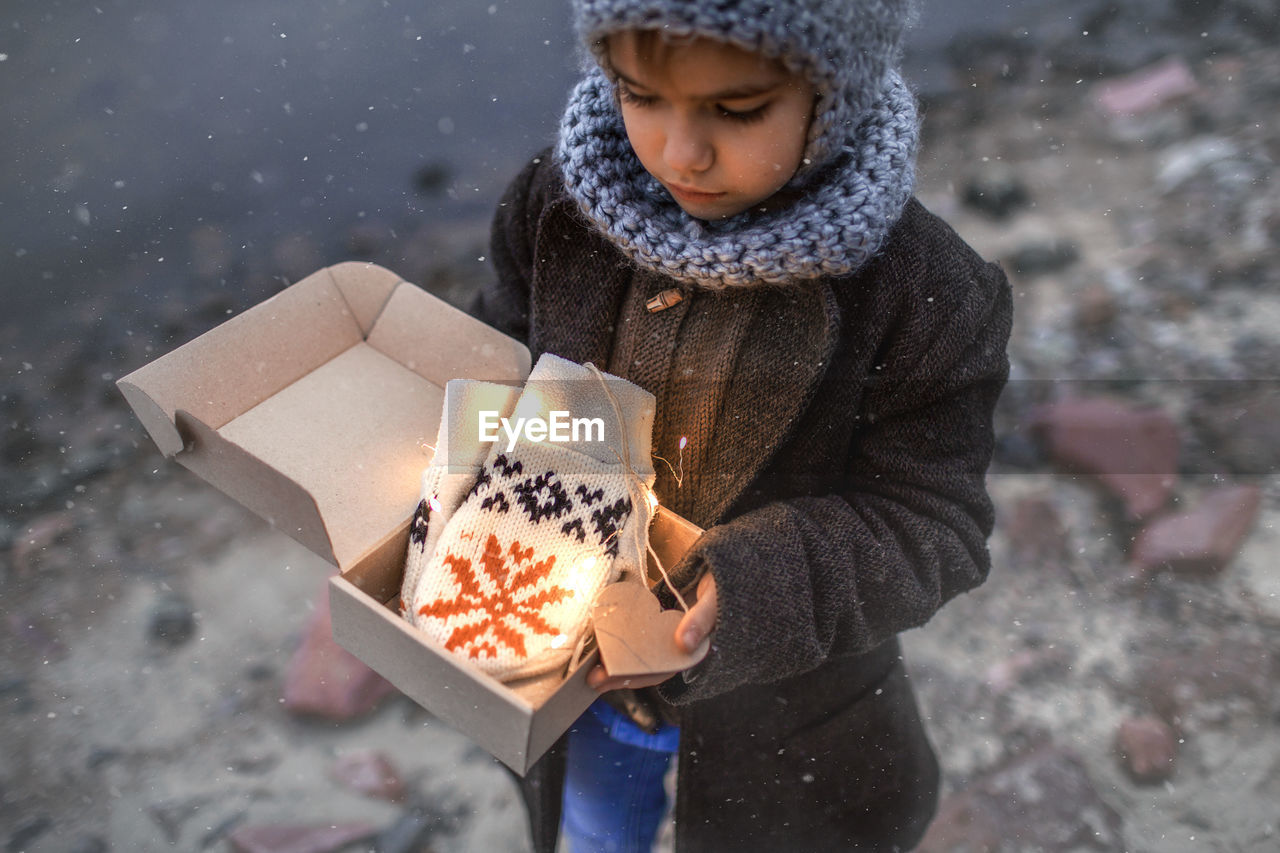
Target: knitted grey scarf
[[826, 221]]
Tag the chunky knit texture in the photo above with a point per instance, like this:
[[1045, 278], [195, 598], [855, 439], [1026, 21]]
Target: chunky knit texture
[[511, 581], [858, 168], [453, 471]]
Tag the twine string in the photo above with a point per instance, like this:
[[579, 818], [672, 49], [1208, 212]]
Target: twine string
[[638, 490]]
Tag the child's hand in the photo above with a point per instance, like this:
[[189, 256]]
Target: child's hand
[[693, 628]]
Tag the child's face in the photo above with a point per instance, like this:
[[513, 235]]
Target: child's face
[[720, 128]]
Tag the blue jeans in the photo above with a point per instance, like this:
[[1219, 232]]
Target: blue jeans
[[613, 794]]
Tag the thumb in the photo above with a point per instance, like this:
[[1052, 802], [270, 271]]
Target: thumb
[[698, 623]]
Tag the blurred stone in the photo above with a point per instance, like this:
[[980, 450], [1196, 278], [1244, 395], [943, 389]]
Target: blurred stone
[[1096, 308], [1131, 452], [1017, 450], [996, 191], [1036, 533], [101, 755], [211, 254], [326, 838], [253, 764], [983, 58], [27, 830], [1044, 256], [325, 679], [172, 621], [15, 695], [1043, 800], [1146, 89], [259, 671], [1179, 686], [1025, 666], [1257, 355], [296, 256], [407, 834], [88, 844], [367, 239], [37, 639], [1202, 540], [1239, 423], [170, 815], [221, 828], [413, 828], [432, 178], [42, 533], [1148, 748], [369, 772], [1179, 163]]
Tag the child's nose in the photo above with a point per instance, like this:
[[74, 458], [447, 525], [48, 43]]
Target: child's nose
[[687, 151]]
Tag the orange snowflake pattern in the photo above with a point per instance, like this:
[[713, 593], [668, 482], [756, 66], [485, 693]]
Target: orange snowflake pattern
[[508, 614]]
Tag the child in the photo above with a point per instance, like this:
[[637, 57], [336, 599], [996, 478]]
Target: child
[[727, 222]]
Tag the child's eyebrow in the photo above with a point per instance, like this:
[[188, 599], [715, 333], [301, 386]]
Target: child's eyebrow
[[732, 94]]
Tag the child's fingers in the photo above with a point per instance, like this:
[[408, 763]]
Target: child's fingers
[[699, 622]]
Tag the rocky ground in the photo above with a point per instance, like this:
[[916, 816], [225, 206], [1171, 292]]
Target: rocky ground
[[1112, 687]]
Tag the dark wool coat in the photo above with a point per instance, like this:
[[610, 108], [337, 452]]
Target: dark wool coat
[[849, 457]]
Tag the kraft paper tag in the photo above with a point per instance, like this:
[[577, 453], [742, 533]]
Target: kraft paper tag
[[635, 635]]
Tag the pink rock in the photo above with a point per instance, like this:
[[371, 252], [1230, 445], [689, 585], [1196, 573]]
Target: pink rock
[[325, 679], [325, 838], [1147, 88], [1148, 748], [369, 772], [1204, 539], [1131, 452]]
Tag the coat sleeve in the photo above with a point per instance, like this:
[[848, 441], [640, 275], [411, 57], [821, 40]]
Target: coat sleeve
[[808, 579], [504, 301]]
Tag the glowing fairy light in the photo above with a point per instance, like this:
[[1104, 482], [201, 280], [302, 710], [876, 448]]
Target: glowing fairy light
[[580, 579], [434, 503], [678, 470], [560, 641], [653, 501]]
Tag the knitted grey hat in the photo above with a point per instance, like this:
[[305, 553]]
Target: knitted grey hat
[[845, 48], [858, 167]]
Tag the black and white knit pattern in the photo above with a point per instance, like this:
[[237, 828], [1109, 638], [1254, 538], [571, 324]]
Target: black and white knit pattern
[[512, 579]]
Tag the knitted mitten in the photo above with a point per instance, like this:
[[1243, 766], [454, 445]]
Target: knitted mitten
[[511, 582], [453, 470]]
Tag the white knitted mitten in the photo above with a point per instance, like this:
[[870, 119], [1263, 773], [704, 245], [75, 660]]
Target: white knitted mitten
[[453, 470], [511, 582]]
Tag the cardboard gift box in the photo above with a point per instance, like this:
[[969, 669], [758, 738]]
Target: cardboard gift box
[[314, 410]]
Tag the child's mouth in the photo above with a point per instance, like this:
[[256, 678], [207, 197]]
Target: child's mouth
[[692, 195]]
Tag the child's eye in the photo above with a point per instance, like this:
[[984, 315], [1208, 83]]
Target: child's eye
[[629, 97], [744, 116]]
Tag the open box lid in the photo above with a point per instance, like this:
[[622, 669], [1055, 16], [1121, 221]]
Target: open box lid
[[315, 408]]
